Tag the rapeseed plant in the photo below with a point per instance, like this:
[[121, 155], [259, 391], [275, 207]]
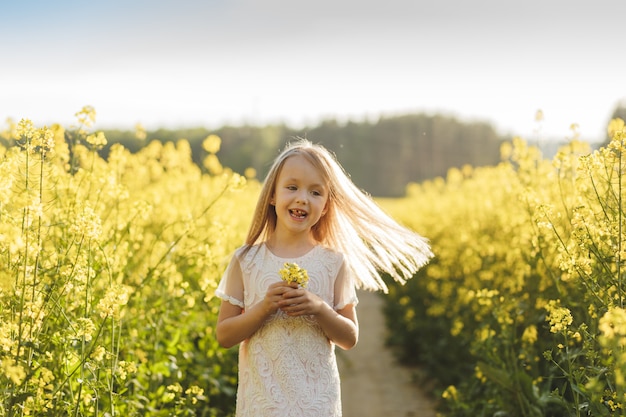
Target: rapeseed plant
[[107, 274], [292, 272], [530, 263]]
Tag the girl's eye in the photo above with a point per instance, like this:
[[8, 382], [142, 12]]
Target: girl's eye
[[291, 187], [316, 193]]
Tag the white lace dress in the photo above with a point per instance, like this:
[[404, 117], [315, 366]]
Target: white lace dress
[[288, 367]]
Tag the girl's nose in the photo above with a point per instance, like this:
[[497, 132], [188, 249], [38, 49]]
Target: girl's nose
[[301, 198]]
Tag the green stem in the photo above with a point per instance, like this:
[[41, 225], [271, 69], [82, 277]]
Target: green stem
[[83, 359], [38, 254], [26, 235], [619, 239]]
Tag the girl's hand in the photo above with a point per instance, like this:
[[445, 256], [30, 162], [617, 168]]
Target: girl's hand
[[275, 295], [299, 302]]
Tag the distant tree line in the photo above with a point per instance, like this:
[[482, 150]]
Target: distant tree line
[[382, 157]]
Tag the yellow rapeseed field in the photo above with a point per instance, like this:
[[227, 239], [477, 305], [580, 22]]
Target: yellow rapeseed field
[[108, 268], [521, 313], [107, 273]]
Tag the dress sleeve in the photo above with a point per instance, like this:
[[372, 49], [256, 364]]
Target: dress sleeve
[[230, 287], [345, 290]]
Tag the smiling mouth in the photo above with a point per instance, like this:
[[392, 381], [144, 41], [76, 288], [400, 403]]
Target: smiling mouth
[[298, 214]]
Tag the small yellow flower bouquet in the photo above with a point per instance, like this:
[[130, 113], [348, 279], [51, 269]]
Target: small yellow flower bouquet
[[291, 272]]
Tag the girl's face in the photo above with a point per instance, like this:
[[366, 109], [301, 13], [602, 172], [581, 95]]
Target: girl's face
[[300, 196]]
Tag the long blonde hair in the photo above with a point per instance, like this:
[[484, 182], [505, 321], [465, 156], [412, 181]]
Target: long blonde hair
[[354, 224]]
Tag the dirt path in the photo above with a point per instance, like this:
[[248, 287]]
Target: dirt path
[[372, 383]]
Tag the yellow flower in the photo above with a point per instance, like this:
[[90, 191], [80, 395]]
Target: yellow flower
[[43, 139], [86, 116], [212, 163], [140, 132], [212, 144], [97, 140], [194, 390], [250, 173], [559, 317], [46, 376], [615, 126], [85, 328], [613, 327], [236, 181], [25, 129], [124, 368], [530, 334], [293, 273], [98, 354], [539, 115], [112, 302], [15, 373], [87, 224], [175, 387], [450, 393]]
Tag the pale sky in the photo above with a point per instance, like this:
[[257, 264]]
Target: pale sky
[[188, 63]]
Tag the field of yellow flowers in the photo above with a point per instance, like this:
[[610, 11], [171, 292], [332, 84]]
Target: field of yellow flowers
[[108, 268], [107, 271], [522, 311]]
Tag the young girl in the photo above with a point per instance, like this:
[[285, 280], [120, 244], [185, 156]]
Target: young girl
[[310, 213]]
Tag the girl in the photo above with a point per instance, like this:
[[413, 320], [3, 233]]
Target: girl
[[310, 213]]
